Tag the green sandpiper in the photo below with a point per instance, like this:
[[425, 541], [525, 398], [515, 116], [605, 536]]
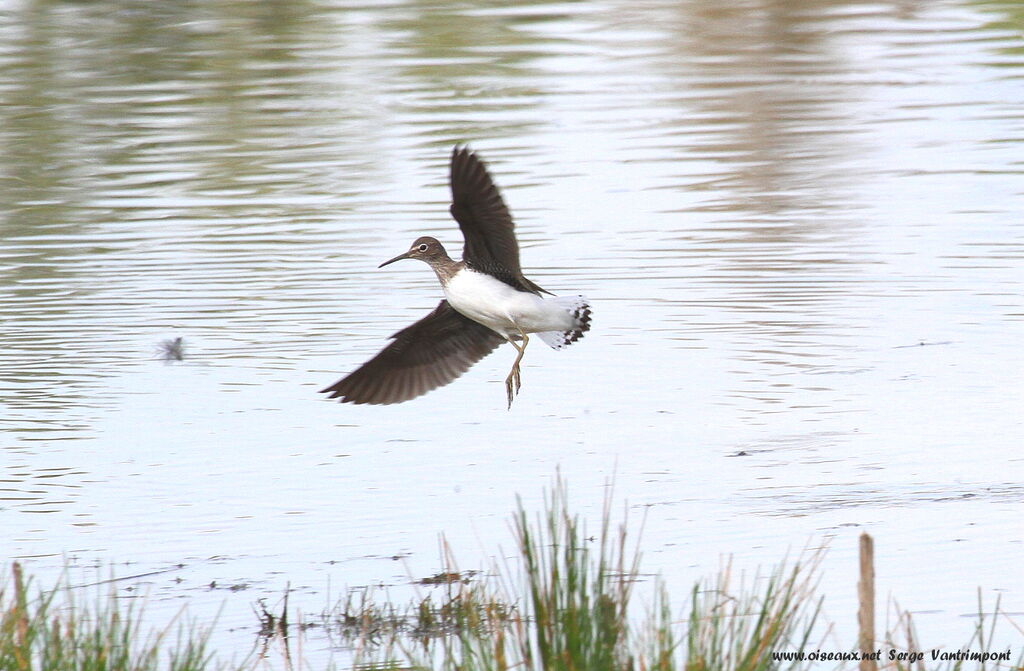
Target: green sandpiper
[[487, 301]]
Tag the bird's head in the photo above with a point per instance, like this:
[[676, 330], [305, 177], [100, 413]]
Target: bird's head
[[425, 249]]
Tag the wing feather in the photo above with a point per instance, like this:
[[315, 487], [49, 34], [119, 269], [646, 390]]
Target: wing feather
[[421, 357], [485, 221]]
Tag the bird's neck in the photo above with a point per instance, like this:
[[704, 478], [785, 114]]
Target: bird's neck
[[445, 268]]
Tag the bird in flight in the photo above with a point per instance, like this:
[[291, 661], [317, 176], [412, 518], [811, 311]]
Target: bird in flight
[[487, 301]]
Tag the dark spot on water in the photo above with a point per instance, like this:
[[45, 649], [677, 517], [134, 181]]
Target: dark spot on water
[[446, 578], [172, 350]]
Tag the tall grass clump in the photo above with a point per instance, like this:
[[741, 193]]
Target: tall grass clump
[[49, 630], [739, 630], [573, 610], [579, 590]]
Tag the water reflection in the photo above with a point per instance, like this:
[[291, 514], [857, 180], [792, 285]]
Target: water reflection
[[772, 129], [768, 202], [28, 489], [168, 168]]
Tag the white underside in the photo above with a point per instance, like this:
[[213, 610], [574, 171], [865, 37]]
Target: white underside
[[501, 308]]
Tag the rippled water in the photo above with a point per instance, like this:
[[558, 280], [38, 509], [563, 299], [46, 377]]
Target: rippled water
[[800, 225]]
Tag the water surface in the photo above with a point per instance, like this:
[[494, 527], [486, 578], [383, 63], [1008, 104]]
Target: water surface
[[799, 224]]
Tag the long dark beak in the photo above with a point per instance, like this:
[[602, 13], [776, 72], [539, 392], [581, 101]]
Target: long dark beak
[[397, 258]]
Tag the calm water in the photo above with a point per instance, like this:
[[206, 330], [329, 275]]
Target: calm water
[[800, 225]]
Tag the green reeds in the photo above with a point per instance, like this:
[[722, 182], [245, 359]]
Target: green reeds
[[572, 609], [564, 601], [38, 632], [739, 630], [579, 589]]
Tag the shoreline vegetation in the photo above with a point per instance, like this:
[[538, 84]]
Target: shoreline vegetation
[[564, 602]]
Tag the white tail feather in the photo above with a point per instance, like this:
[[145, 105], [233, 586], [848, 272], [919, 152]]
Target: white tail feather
[[579, 309]]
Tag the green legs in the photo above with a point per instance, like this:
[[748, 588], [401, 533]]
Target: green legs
[[513, 376]]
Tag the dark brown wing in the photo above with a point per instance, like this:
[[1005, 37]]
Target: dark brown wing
[[424, 356], [485, 221]]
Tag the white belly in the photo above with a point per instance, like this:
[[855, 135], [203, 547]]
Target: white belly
[[501, 308]]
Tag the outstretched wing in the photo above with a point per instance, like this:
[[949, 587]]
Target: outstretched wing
[[485, 221], [424, 356]]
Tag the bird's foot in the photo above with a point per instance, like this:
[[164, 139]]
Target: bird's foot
[[513, 376], [512, 384]]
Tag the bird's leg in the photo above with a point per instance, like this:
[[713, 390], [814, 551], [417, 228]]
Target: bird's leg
[[513, 376]]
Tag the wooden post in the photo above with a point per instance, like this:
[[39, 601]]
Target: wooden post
[[866, 595], [19, 609]]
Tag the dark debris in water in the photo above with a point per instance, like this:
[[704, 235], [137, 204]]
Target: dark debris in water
[[366, 616], [172, 350], [925, 343], [271, 624], [446, 578], [233, 587]]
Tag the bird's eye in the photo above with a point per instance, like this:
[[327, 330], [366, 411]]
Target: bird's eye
[[422, 248]]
